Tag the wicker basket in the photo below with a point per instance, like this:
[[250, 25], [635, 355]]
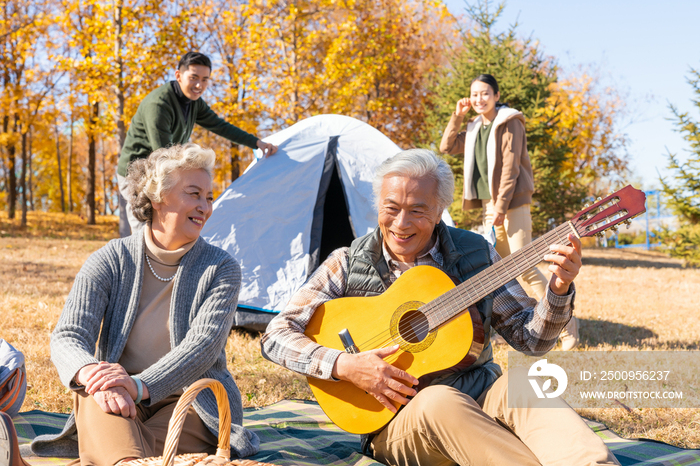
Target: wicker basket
[[223, 451]]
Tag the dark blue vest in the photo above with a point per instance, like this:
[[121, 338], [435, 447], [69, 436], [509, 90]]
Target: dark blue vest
[[465, 254]]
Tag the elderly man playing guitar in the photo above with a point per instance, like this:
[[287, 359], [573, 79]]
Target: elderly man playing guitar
[[460, 415]]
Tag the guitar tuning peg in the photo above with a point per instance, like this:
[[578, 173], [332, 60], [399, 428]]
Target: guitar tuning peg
[[599, 199], [586, 206], [627, 226], [614, 228]]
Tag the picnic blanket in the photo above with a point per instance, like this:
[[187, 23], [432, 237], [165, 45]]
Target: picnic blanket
[[296, 432]]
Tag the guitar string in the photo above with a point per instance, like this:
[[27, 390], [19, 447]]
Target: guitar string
[[526, 254], [426, 325], [528, 257], [459, 302], [539, 249]]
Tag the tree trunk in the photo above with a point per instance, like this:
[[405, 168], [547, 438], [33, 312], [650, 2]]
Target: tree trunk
[[235, 158], [124, 227], [92, 143], [121, 128], [104, 178], [60, 174], [31, 183], [69, 174], [12, 197], [12, 176], [23, 180], [4, 170]]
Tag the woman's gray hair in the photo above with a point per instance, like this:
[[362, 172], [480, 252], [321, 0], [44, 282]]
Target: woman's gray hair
[[417, 163], [149, 180]]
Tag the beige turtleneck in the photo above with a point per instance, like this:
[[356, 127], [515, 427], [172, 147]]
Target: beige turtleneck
[[149, 339]]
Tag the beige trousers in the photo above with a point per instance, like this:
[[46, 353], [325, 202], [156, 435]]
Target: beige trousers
[[442, 426], [515, 233], [105, 439]]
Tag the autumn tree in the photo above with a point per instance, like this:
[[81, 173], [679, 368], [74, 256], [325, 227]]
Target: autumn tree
[[32, 109], [379, 62], [682, 191], [295, 49], [84, 26], [46, 144], [525, 76], [587, 117], [29, 78], [24, 24], [119, 51], [237, 39], [288, 60], [568, 145]]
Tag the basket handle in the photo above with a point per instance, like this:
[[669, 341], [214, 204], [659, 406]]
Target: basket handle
[[178, 419]]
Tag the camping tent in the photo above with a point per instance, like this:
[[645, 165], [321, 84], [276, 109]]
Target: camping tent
[[286, 213]]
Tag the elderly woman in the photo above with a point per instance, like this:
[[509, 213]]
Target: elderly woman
[[149, 315]]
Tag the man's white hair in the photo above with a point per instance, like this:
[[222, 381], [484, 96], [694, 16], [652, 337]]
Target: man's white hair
[[417, 163]]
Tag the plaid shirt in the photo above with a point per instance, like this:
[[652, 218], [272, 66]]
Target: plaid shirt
[[528, 326]]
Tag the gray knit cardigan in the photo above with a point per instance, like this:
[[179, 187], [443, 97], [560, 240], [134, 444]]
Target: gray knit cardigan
[[104, 301]]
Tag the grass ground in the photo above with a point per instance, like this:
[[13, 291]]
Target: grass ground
[[626, 300]]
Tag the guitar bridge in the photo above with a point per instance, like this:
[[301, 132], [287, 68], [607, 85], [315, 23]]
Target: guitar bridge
[[348, 342]]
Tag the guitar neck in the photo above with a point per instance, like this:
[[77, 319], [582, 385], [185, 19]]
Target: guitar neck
[[458, 299]]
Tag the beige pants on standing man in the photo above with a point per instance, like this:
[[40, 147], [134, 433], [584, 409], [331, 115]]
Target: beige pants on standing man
[[515, 233]]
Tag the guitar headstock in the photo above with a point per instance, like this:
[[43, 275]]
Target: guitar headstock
[[619, 207]]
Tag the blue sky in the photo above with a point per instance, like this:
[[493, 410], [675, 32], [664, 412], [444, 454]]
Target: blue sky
[[642, 48]]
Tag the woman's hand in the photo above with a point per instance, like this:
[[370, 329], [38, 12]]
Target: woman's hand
[[498, 219], [463, 106], [95, 376], [105, 375], [368, 371], [116, 401], [130, 386]]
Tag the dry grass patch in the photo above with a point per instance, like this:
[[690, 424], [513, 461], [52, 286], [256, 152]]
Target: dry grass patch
[[626, 300], [59, 226], [261, 382], [35, 278], [640, 300], [636, 300]]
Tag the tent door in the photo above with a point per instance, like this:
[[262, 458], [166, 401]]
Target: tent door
[[331, 227]]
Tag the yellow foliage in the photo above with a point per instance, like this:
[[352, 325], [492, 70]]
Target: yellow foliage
[[587, 121], [275, 63], [284, 61]]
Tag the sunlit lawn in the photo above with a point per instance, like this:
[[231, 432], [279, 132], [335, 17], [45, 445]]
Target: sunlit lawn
[[625, 300]]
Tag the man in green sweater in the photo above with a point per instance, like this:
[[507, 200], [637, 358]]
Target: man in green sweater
[[167, 116]]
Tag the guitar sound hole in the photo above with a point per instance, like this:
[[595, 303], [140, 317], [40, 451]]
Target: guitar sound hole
[[413, 327]]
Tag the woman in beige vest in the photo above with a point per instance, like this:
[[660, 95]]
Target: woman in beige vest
[[498, 175]]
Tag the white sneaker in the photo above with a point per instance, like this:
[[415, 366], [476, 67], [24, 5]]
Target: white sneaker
[[569, 336]]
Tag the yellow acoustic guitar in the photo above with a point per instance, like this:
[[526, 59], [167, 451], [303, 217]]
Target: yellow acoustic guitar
[[433, 321]]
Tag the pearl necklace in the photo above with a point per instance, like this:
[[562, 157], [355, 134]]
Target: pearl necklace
[[148, 261]]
